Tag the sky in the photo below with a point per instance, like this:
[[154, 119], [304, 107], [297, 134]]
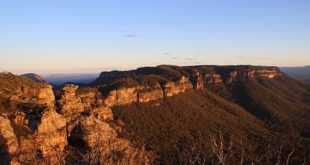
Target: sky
[[84, 36]]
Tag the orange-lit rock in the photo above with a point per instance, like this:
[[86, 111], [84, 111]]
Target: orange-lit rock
[[46, 95], [103, 113], [111, 99], [8, 138], [50, 135], [20, 118], [268, 73], [70, 105], [126, 96], [147, 94], [173, 88]]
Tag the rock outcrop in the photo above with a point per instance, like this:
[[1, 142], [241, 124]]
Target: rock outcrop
[[250, 75], [48, 137], [98, 138], [46, 95], [174, 88], [146, 93], [126, 95], [150, 93], [70, 106], [17, 89], [51, 135], [73, 103], [268, 73], [31, 125]]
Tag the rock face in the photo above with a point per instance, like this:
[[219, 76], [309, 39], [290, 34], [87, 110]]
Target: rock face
[[47, 138], [174, 88], [31, 123], [122, 96], [250, 75], [70, 105], [46, 95], [111, 99], [268, 73], [73, 103], [152, 83], [145, 93], [22, 90], [43, 95], [149, 93], [126, 96]]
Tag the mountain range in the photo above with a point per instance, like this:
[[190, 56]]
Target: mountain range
[[302, 73], [167, 114]]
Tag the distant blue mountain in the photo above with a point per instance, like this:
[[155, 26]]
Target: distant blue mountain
[[60, 79], [34, 77], [302, 73]]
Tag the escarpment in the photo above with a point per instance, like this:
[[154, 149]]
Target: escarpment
[[152, 83], [49, 123]]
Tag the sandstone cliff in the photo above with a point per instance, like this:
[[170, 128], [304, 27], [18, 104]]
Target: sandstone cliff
[[34, 124], [152, 83]]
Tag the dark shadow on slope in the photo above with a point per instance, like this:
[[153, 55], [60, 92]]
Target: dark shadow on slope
[[240, 94]]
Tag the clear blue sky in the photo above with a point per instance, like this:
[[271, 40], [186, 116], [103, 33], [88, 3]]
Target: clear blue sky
[[62, 36]]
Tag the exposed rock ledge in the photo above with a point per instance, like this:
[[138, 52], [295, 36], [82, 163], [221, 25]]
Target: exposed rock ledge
[[152, 83]]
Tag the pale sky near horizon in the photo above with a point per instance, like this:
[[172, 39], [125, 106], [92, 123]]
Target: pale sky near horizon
[[84, 36]]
